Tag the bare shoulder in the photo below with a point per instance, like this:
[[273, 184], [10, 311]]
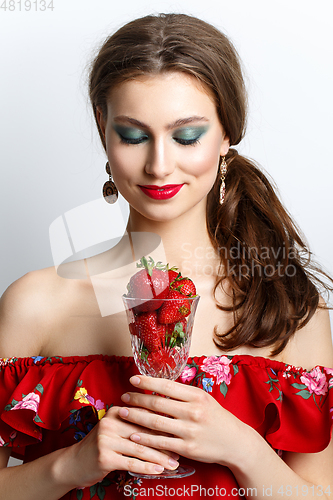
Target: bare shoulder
[[29, 308], [312, 344]]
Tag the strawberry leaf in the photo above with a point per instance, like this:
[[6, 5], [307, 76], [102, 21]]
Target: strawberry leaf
[[179, 329], [172, 342], [144, 355]]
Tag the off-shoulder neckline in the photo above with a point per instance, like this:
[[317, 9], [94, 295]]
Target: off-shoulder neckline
[[239, 359]]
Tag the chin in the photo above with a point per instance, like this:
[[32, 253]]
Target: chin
[[166, 212]]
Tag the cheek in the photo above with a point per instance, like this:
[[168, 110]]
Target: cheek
[[123, 162], [204, 161]]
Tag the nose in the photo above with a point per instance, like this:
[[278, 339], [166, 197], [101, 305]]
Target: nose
[[159, 161]]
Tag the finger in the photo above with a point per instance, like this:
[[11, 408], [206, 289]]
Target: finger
[[170, 388], [112, 423], [152, 421], [159, 442], [156, 404], [134, 452], [170, 454]]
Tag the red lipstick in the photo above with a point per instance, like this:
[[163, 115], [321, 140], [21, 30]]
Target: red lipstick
[[161, 192]]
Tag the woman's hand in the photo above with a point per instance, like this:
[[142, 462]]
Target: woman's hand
[[191, 423], [107, 447]]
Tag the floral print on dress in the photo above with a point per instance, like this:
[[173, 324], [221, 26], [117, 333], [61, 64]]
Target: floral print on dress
[[274, 383], [315, 382], [329, 371], [96, 490], [207, 384], [311, 383], [84, 398], [7, 361], [217, 366], [29, 401], [126, 484], [188, 374], [12, 437], [37, 358], [73, 393], [84, 419]]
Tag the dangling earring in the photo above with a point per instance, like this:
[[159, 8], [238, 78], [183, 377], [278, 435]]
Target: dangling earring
[[110, 192], [223, 171]]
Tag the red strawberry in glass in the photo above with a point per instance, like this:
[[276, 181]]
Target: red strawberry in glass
[[175, 308], [149, 331], [155, 359], [160, 321], [184, 286], [173, 274], [151, 282], [150, 335]]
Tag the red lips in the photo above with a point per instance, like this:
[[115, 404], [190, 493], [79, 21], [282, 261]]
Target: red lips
[[161, 192]]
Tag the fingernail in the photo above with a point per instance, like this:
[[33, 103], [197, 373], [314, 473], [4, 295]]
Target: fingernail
[[175, 456], [123, 412], [135, 380], [173, 462], [135, 437], [125, 398], [159, 468]]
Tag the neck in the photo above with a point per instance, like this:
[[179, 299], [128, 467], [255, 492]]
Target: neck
[[184, 241]]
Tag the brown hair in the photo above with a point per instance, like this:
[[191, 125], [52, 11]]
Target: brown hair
[[262, 254]]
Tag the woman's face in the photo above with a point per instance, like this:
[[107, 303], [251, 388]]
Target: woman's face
[[163, 140]]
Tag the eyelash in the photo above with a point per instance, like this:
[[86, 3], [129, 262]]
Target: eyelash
[[182, 142], [189, 142], [131, 141]]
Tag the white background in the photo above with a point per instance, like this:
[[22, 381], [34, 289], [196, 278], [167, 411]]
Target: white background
[[50, 157]]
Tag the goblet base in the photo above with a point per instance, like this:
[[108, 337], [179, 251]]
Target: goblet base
[[181, 471]]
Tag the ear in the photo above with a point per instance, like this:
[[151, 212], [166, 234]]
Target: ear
[[100, 120], [225, 145]]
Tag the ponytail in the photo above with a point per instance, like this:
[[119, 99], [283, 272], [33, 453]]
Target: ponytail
[[263, 258]]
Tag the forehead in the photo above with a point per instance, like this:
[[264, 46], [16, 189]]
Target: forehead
[[168, 95]]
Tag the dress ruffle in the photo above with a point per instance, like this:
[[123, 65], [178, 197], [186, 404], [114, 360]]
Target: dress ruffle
[[290, 407], [40, 394]]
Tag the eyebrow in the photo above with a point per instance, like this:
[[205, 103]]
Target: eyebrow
[[177, 123]]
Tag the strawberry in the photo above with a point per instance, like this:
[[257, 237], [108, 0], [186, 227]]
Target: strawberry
[[174, 310], [150, 332], [173, 274], [150, 282], [160, 358], [185, 286]]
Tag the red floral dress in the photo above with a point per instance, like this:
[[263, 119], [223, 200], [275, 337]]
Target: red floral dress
[[50, 403]]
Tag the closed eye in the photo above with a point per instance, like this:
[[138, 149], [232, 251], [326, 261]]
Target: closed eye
[[144, 138], [189, 136], [133, 140], [187, 142], [130, 135]]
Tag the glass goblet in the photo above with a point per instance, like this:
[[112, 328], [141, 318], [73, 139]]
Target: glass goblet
[[161, 349]]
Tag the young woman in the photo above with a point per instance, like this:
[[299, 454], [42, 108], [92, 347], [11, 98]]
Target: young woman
[[252, 411]]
